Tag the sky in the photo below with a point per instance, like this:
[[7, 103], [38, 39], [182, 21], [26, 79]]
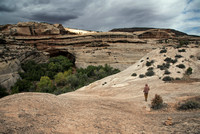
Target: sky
[[104, 15]]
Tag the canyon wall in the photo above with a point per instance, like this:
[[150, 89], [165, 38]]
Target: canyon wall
[[39, 41]]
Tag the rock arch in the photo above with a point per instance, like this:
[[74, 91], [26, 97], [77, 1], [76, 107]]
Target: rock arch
[[58, 52]]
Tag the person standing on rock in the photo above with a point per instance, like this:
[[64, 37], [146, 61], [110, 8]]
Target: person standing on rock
[[146, 91]]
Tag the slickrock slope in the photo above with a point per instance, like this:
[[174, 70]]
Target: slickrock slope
[[114, 104]]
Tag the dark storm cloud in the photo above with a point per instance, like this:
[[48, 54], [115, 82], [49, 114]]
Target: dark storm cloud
[[6, 6], [52, 18], [104, 15]]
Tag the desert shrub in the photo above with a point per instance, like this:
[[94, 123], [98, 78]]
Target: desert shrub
[[141, 60], [191, 56], [167, 72], [149, 69], [170, 60], [163, 51], [190, 104], [163, 66], [189, 71], [177, 78], [134, 74], [167, 78], [183, 42], [3, 92], [149, 63], [157, 102], [178, 56], [149, 73], [141, 75], [180, 66], [181, 50], [45, 85]]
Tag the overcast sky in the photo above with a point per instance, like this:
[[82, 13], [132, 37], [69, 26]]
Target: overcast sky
[[104, 15]]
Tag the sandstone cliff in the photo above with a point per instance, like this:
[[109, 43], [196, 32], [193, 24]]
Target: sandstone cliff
[[39, 41]]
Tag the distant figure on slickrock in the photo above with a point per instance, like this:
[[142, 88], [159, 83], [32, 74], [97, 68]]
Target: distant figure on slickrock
[[146, 91]]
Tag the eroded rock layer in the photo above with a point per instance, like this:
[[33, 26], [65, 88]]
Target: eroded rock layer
[[39, 41]]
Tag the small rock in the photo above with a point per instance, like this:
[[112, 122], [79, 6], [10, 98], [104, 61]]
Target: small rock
[[168, 122]]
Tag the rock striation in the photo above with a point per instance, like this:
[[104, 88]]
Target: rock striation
[[39, 41]]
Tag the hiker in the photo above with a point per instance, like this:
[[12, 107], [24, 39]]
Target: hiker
[[146, 91]]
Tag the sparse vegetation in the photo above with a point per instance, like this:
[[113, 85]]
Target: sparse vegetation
[[157, 102], [180, 66]]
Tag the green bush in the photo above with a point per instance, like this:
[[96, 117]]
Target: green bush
[[34, 71], [170, 60], [3, 92], [150, 69], [141, 75], [180, 66], [167, 78], [167, 72], [134, 74], [149, 73], [157, 102], [181, 50], [178, 56], [149, 63], [177, 78], [189, 71], [22, 86], [183, 42], [191, 104], [163, 66], [163, 51], [45, 85], [60, 79]]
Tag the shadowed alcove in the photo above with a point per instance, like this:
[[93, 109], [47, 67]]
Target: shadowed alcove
[[57, 52]]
